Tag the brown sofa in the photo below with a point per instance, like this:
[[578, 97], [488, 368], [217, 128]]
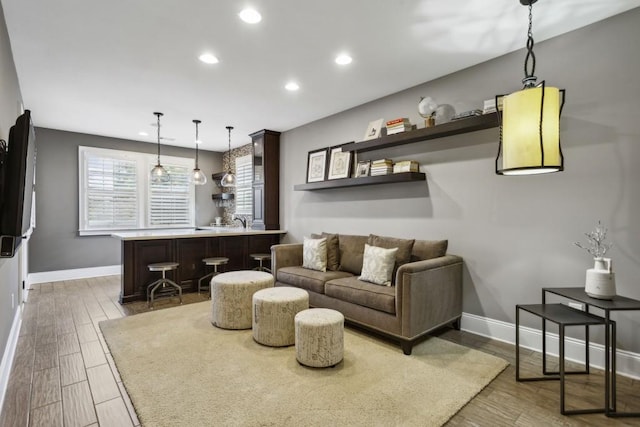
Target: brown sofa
[[426, 292]]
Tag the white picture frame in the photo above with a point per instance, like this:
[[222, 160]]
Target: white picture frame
[[374, 130]]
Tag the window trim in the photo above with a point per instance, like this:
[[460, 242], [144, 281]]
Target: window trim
[[144, 163]]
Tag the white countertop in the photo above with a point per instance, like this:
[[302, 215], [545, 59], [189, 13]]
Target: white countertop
[[191, 232]]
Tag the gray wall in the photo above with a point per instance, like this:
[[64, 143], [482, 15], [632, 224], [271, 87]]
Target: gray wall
[[55, 244], [516, 234], [10, 99]]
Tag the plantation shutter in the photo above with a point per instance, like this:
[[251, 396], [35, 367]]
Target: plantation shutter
[[244, 181], [170, 203], [111, 193]]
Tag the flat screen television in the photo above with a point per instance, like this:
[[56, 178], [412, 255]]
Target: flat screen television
[[18, 185]]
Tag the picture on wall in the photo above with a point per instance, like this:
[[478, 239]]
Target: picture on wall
[[373, 130], [363, 168], [339, 163], [317, 165]]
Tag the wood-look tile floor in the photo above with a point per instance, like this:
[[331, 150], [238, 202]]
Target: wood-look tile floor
[[63, 374]]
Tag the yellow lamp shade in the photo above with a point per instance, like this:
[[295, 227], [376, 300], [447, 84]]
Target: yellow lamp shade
[[530, 132]]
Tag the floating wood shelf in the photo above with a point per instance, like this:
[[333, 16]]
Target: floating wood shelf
[[363, 180], [455, 127]]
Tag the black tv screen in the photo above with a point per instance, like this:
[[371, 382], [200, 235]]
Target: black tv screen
[[18, 185]]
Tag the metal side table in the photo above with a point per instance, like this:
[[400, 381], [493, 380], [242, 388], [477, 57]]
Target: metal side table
[[563, 316], [618, 303]]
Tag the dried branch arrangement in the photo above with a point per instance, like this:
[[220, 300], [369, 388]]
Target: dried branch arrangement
[[596, 247]]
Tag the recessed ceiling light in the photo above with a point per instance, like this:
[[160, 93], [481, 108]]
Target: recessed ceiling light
[[292, 86], [143, 133], [250, 16], [343, 59], [208, 58]]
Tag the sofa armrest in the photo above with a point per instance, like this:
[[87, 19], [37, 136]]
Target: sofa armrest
[[429, 294], [285, 255]]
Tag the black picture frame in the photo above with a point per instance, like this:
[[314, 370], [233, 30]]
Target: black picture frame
[[317, 165], [363, 168]]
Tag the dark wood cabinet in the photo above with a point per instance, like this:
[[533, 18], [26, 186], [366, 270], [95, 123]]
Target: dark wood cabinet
[[189, 253], [266, 180]]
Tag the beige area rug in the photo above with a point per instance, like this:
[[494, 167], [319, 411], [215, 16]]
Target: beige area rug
[[180, 370]]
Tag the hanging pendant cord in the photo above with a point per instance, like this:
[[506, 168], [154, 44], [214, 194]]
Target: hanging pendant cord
[[229, 155], [158, 114], [196, 122], [529, 77]]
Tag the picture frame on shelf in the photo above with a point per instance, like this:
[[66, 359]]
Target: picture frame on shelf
[[317, 165], [374, 130], [339, 163], [363, 168]]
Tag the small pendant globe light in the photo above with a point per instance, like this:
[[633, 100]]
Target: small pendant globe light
[[197, 177], [159, 174], [229, 179]]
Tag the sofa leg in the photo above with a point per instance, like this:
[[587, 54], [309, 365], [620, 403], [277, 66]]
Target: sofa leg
[[456, 323], [407, 347]]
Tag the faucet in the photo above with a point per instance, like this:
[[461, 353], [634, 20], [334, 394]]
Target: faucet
[[242, 220]]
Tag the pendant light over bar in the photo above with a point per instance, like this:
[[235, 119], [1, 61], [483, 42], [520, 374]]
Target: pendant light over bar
[[530, 122], [229, 179], [197, 177], [159, 174]]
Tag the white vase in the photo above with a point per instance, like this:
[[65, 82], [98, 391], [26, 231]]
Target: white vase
[[601, 280]]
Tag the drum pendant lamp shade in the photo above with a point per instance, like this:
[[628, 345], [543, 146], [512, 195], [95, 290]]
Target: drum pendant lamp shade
[[530, 122]]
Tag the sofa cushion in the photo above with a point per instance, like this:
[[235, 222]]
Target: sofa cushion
[[428, 249], [350, 289], [377, 265], [310, 280], [314, 254], [403, 256], [351, 252], [333, 251]]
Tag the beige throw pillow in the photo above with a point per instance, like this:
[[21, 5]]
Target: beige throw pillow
[[314, 254], [377, 265]]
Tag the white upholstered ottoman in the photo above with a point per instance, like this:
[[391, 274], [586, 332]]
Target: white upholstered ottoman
[[231, 297], [319, 337], [273, 312]]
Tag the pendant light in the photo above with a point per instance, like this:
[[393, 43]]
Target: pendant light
[[530, 122], [197, 177], [159, 174], [229, 179]]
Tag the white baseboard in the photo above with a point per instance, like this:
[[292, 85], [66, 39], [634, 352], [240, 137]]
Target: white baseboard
[[78, 273], [628, 363], [9, 353]]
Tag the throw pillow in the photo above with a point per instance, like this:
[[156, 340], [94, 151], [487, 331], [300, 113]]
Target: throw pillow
[[377, 265], [351, 252], [405, 247], [314, 254], [428, 249], [333, 252]]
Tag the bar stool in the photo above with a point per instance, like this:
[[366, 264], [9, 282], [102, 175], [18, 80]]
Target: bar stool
[[261, 258], [215, 262], [163, 282]]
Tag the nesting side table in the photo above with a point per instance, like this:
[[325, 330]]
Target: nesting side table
[[618, 303], [563, 316]]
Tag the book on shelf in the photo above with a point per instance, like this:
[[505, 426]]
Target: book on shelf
[[382, 162], [398, 125], [398, 121], [466, 114], [490, 106], [406, 166]]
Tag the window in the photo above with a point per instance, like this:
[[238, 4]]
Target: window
[[244, 180], [116, 194]]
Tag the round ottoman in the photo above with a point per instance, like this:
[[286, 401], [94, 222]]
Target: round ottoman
[[231, 297], [273, 313], [319, 337]]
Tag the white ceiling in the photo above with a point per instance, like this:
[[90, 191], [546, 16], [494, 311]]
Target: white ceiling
[[104, 67]]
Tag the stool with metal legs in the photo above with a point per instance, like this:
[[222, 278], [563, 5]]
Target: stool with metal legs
[[163, 282], [215, 262], [261, 258]]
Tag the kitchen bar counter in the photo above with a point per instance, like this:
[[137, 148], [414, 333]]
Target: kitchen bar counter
[[187, 247]]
